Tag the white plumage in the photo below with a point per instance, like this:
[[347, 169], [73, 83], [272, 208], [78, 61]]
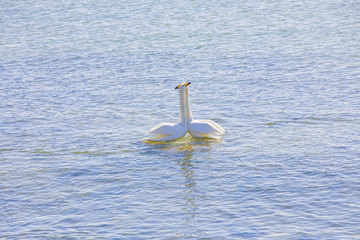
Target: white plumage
[[200, 128], [167, 131], [171, 131], [187, 123]]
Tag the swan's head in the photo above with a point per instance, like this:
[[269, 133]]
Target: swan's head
[[183, 86]]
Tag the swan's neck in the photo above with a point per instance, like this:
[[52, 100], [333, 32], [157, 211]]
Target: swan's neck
[[189, 115], [182, 107]]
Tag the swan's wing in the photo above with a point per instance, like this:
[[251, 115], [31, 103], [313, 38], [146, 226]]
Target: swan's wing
[[163, 129], [167, 132], [209, 127], [205, 128], [216, 126]]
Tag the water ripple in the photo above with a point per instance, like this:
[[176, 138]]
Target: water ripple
[[82, 81]]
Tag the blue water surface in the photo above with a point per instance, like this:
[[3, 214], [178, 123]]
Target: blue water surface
[[82, 81]]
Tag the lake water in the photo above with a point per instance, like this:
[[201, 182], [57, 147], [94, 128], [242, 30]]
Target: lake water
[[82, 82]]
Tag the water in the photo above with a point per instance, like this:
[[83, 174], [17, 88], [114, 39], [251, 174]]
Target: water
[[82, 81]]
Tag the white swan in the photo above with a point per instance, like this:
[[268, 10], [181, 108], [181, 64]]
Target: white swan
[[170, 131], [200, 128]]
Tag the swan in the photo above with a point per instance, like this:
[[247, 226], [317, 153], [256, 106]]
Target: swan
[[200, 128], [170, 131]]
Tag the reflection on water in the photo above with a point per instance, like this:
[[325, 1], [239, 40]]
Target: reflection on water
[[187, 170], [81, 82], [187, 148], [185, 144]]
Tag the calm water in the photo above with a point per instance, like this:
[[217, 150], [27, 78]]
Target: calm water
[[82, 81]]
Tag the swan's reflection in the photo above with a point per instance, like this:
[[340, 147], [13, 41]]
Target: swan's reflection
[[190, 194], [185, 144], [186, 148]]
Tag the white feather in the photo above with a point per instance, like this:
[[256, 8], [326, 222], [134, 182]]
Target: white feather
[[171, 131], [187, 123], [201, 128]]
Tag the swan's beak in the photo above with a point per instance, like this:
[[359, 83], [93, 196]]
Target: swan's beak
[[185, 84]]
